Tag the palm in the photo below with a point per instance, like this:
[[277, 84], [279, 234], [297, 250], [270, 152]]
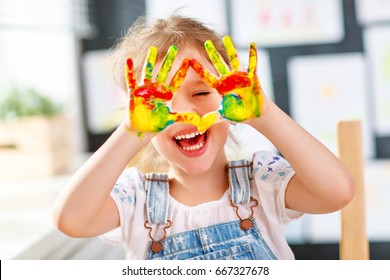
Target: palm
[[241, 90], [148, 102]]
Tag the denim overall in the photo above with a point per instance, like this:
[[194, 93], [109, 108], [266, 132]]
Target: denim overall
[[237, 240]]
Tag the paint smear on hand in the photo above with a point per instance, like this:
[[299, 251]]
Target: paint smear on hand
[[148, 103], [241, 90]]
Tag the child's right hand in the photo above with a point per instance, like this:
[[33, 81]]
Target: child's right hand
[[148, 109]]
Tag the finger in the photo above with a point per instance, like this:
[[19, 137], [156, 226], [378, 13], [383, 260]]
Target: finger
[[232, 53], [149, 64], [206, 76], [167, 64], [209, 120], [130, 75], [216, 58], [180, 75], [252, 59]]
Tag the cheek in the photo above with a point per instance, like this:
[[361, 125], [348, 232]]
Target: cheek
[[211, 104], [215, 101], [221, 131], [160, 143]]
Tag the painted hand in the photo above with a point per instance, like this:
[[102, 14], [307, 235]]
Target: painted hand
[[149, 102], [242, 94], [149, 111]]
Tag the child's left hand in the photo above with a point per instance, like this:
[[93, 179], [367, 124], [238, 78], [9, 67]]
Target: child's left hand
[[241, 90]]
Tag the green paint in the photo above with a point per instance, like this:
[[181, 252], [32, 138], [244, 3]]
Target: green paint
[[149, 63], [167, 64], [233, 108], [216, 58]]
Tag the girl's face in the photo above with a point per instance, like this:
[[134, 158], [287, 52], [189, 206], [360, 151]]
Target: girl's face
[[181, 144]]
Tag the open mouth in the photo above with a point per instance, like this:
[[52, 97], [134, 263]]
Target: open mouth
[[193, 141]]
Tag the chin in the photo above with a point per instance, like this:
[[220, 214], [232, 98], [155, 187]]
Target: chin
[[195, 168]]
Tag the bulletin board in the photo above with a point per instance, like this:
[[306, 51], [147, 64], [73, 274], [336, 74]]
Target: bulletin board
[[378, 140], [286, 32]]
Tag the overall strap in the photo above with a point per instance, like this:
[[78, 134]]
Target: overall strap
[[157, 188], [240, 172]]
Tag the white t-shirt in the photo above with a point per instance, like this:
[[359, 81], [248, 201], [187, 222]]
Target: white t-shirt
[[271, 176]]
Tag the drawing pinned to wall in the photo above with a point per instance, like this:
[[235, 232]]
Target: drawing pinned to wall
[[325, 89], [371, 11], [212, 13], [377, 44], [282, 22], [105, 101], [377, 178]]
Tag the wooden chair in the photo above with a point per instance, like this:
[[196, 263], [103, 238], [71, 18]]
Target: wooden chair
[[354, 243]]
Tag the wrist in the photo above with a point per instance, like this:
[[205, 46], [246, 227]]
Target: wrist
[[133, 134], [263, 119]]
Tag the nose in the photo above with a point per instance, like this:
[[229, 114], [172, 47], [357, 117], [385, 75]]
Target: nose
[[181, 103]]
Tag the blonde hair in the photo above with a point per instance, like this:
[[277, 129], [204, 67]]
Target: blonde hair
[[183, 32]]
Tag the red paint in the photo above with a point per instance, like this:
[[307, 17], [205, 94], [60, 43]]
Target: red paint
[[204, 74], [234, 81], [180, 74], [153, 91], [131, 105], [134, 104], [198, 68], [130, 73]]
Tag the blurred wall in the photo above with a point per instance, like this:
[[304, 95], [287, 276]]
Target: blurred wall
[[297, 38]]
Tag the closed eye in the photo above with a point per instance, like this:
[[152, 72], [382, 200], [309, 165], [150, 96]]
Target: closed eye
[[201, 93]]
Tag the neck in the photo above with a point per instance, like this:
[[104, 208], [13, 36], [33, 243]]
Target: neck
[[193, 190]]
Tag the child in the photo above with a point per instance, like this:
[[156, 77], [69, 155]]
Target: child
[[205, 207]]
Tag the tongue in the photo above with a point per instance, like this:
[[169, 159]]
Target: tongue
[[191, 141]]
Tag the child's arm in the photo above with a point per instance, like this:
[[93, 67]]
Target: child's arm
[[322, 184], [84, 208]]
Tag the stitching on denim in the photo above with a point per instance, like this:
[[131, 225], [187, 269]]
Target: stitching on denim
[[157, 188], [239, 174]]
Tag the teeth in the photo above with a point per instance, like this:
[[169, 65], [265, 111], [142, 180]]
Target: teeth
[[187, 136], [194, 148]]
